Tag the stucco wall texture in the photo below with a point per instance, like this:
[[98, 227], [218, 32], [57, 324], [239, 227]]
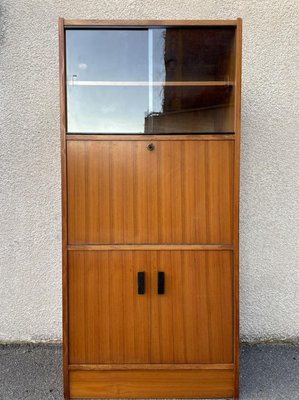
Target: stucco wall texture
[[30, 237]]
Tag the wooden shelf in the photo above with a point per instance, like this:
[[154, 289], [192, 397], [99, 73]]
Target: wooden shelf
[[145, 83]]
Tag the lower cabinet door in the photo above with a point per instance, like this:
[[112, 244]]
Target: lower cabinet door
[[108, 319], [192, 321], [184, 315]]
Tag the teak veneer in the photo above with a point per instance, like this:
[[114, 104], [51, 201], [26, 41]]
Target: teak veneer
[[150, 208]]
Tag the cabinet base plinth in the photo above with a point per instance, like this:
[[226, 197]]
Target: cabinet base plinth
[[152, 384]]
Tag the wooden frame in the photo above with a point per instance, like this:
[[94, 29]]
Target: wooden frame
[[63, 204], [236, 203], [63, 24], [149, 22]]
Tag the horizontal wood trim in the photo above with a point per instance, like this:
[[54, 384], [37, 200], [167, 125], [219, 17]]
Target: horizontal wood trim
[[154, 247], [149, 22], [146, 138], [117, 367], [151, 384]]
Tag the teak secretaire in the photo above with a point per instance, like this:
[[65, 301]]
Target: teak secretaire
[[150, 139]]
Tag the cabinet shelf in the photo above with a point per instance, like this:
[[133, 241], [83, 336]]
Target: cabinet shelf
[[146, 83]]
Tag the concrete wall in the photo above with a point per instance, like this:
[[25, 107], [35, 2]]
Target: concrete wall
[[30, 256]]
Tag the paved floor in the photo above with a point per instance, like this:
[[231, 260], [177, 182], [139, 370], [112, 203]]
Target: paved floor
[[34, 372]]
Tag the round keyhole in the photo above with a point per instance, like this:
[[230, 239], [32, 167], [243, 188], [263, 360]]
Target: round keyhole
[[150, 147]]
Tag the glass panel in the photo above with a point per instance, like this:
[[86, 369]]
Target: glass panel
[[193, 54], [156, 80], [193, 73], [187, 109], [103, 68], [107, 109]]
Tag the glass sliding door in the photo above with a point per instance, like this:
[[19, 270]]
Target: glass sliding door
[[150, 80], [107, 80]]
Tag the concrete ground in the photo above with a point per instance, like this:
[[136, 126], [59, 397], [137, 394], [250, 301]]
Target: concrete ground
[[34, 372]]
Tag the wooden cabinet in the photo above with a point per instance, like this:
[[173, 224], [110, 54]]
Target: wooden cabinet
[[150, 133]]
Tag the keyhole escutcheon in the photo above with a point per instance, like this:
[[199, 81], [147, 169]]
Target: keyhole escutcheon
[[150, 147]]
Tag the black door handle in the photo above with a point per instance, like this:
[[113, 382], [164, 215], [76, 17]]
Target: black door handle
[[161, 282], [140, 282]]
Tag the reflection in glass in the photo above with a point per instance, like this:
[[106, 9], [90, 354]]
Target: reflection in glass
[[187, 109], [156, 80], [114, 109], [102, 67], [193, 54], [193, 74]]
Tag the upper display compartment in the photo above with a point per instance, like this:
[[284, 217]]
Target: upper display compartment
[[150, 80]]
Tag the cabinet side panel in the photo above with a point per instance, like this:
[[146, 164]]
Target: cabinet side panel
[[236, 203], [63, 203]]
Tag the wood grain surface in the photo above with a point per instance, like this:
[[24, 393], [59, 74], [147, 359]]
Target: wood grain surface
[[148, 22], [111, 323], [119, 192], [237, 204], [121, 367], [108, 320], [151, 384], [192, 321], [157, 247]]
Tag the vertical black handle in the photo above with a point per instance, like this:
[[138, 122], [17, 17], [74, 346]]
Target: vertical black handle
[[161, 282], [140, 282]]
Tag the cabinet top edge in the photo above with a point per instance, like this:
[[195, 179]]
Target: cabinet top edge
[[94, 23]]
